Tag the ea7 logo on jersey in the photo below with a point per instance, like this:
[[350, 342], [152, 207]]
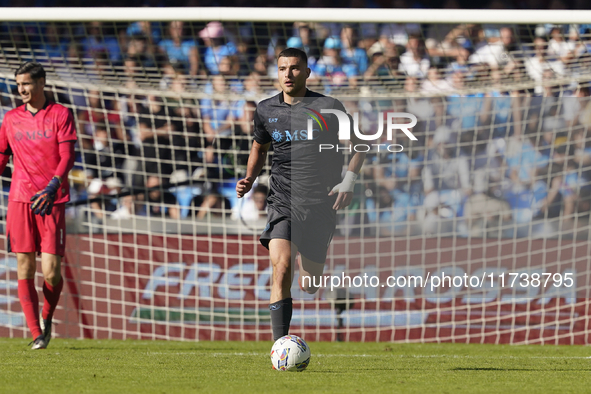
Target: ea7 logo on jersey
[[273, 120]]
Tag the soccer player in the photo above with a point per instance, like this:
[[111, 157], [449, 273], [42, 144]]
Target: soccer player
[[40, 136], [303, 200]]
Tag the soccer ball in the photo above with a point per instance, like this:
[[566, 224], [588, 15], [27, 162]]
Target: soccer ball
[[290, 353]]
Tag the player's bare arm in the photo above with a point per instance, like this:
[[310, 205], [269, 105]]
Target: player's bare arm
[[256, 161]]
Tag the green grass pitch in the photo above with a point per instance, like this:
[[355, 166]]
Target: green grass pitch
[[111, 366]]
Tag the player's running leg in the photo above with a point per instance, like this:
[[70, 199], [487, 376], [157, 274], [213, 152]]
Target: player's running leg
[[27, 294], [52, 289], [282, 253], [310, 275]]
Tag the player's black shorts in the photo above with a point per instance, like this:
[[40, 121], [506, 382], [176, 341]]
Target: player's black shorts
[[310, 229]]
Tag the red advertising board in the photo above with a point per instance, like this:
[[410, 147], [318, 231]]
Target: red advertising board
[[217, 288]]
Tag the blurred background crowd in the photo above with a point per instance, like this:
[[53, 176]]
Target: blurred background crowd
[[503, 116]]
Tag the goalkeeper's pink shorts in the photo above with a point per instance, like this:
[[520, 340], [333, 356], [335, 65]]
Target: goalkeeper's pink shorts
[[27, 232]]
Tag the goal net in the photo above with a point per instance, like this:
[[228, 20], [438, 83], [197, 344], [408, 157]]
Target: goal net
[[475, 230]]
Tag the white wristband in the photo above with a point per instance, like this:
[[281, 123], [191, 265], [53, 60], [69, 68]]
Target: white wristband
[[347, 185]]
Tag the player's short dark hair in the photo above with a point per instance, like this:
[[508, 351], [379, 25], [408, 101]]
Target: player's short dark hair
[[36, 70], [294, 52]]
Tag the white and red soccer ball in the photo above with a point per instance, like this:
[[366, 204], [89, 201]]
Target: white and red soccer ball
[[290, 353]]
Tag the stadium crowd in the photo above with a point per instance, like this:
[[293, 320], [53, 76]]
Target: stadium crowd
[[503, 116]]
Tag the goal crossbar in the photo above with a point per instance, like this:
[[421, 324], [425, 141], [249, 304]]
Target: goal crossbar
[[274, 14]]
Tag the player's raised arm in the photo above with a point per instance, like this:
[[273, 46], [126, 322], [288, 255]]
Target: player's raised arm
[[256, 161]]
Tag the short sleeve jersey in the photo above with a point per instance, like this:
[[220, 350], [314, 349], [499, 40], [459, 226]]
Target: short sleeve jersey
[[301, 173], [33, 141]]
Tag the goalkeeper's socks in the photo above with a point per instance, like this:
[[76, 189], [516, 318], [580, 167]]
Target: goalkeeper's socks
[[52, 297], [29, 299], [281, 317]]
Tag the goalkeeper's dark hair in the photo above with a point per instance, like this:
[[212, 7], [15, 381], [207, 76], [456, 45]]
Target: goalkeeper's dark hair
[[36, 70], [294, 52]]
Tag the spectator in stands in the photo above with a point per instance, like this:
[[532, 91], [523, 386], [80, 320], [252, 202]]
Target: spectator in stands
[[582, 151], [254, 206], [100, 40], [400, 175], [180, 49], [350, 53], [558, 47], [446, 176], [331, 68], [184, 126], [99, 188], [229, 68], [434, 83], [564, 187], [307, 38], [497, 51], [485, 215], [55, 45], [536, 65], [505, 111], [125, 208], [158, 202], [419, 106], [381, 211], [150, 30], [154, 139], [214, 38], [523, 160], [143, 51], [414, 61], [101, 109], [261, 65], [243, 134], [212, 204], [384, 62], [466, 110], [252, 86], [107, 156], [463, 53], [580, 44], [219, 116]]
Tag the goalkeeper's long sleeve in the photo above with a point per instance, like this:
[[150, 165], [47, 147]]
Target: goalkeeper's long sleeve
[[4, 158], [67, 157]]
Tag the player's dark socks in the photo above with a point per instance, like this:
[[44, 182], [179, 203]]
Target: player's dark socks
[[29, 299], [281, 317], [52, 297]]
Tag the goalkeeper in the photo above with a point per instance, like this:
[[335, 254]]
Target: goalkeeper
[[306, 185], [40, 135]]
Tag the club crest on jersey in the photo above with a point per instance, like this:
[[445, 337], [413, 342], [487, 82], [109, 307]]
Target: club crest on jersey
[[277, 136], [273, 120]]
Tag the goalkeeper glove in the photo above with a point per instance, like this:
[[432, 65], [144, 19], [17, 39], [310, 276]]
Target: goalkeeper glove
[[43, 200], [347, 185]]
